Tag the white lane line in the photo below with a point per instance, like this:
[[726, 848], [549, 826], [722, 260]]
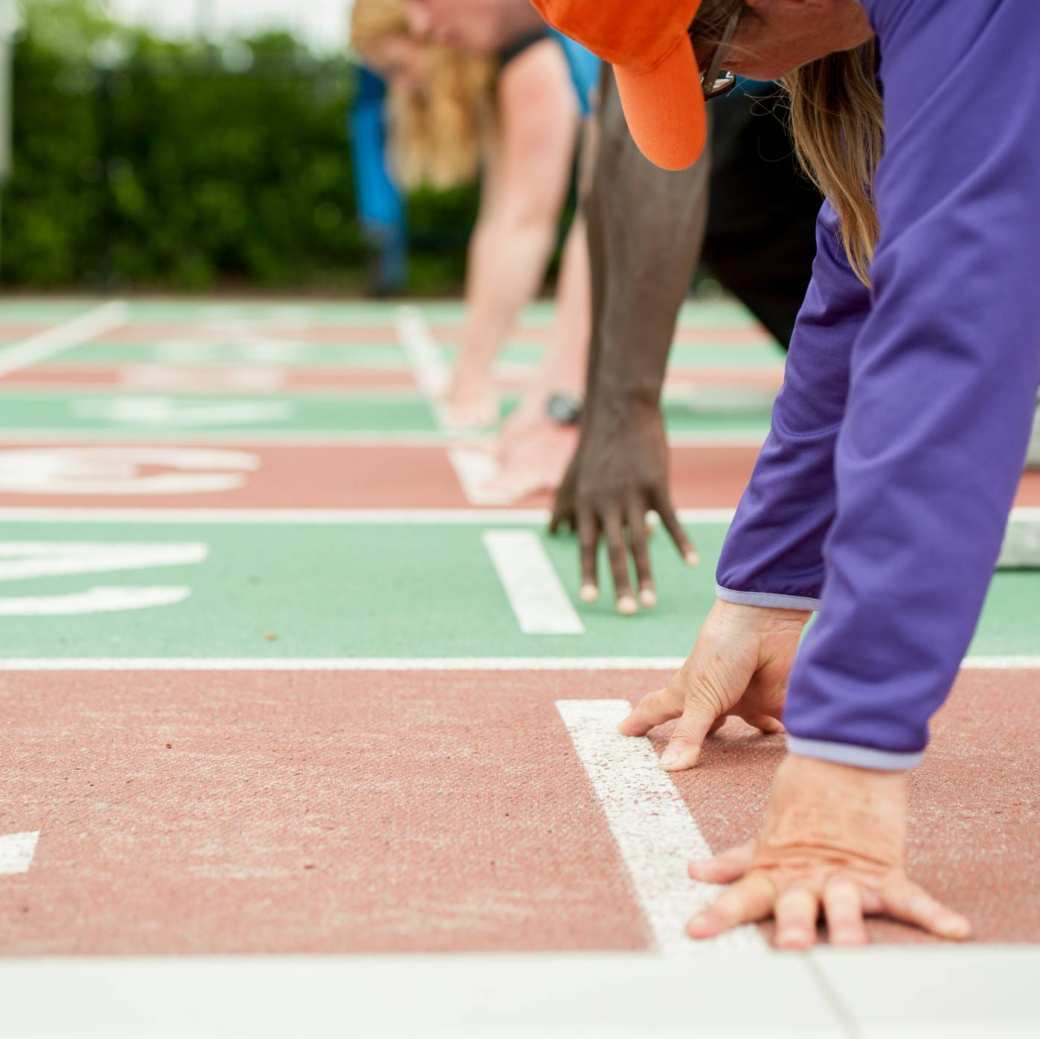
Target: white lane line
[[317, 516], [473, 468], [68, 334], [590, 664], [655, 832], [423, 353], [533, 587], [17, 851]]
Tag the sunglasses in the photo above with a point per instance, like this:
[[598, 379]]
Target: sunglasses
[[715, 82]]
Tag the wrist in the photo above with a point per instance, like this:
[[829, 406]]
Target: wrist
[[817, 803]]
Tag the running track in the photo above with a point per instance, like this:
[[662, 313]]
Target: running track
[[277, 681]]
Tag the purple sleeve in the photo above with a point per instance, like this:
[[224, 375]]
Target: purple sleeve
[[773, 554], [942, 380]]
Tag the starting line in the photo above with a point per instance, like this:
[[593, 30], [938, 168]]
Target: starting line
[[654, 830]]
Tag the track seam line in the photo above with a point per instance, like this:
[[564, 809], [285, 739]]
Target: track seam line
[[843, 1014], [473, 468]]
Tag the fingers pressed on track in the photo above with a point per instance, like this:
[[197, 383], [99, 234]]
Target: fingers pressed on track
[[663, 508], [797, 911], [766, 723], [724, 868], [684, 748], [638, 543], [843, 908], [903, 900], [617, 552], [654, 709], [747, 901], [588, 538]]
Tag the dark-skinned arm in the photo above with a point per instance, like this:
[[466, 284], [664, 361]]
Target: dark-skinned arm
[[645, 230]]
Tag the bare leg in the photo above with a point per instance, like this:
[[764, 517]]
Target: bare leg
[[512, 242]]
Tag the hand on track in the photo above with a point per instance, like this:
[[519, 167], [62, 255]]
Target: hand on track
[[618, 474], [739, 667], [833, 846]]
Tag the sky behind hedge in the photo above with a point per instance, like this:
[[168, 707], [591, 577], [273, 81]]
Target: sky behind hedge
[[322, 22]]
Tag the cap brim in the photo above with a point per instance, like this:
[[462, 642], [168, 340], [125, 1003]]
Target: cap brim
[[665, 108]]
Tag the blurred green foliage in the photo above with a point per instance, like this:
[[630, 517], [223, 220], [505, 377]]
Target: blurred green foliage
[[145, 163]]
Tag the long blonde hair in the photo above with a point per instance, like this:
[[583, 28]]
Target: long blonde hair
[[837, 121], [437, 130]]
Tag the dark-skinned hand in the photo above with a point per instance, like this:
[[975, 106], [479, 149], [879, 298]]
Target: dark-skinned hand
[[618, 474]]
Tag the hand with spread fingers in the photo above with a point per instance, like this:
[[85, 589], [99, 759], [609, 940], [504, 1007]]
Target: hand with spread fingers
[[618, 475], [833, 845], [739, 667]]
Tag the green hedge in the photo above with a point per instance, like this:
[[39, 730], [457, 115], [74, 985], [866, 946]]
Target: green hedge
[[145, 163]]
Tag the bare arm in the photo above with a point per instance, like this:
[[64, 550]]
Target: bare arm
[[645, 233]]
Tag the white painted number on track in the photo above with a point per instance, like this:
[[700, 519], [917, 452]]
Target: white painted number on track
[[236, 351], [654, 831], [531, 584], [155, 377], [166, 412], [17, 851], [33, 559], [120, 470]]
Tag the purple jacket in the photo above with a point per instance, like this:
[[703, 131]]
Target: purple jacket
[[897, 442]]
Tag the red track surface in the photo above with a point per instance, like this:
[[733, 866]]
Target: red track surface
[[378, 476], [401, 811]]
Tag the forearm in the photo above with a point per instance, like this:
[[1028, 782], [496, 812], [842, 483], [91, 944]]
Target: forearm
[[773, 554], [942, 387], [645, 228]]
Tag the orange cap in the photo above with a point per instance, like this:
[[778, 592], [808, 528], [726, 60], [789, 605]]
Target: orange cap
[[657, 76]]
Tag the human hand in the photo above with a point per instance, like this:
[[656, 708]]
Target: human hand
[[739, 667], [833, 843], [618, 474]]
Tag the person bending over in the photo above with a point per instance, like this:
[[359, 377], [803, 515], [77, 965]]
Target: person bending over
[[881, 496]]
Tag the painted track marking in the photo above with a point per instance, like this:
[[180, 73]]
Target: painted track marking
[[654, 831], [53, 341], [531, 584], [473, 468], [17, 851], [424, 355]]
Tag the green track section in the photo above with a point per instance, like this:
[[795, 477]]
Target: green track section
[[168, 415], [267, 590], [297, 353]]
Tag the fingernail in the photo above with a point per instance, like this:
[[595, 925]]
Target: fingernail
[[957, 928], [698, 927], [648, 597], [671, 757], [626, 605], [692, 559], [589, 593]]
